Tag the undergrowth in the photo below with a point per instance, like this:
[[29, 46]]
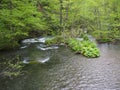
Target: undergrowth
[[84, 47]]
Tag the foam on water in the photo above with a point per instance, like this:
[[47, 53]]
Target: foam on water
[[23, 47], [44, 60], [35, 40], [47, 48]]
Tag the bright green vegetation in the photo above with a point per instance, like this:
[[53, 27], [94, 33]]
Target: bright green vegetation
[[21, 19], [107, 35], [17, 19], [86, 48], [66, 19]]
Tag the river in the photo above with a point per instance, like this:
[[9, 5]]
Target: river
[[58, 68]]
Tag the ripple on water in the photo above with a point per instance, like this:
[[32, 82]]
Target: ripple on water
[[47, 48], [39, 60], [23, 47], [67, 71], [44, 60]]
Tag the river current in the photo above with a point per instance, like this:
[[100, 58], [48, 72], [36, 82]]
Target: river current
[[59, 68]]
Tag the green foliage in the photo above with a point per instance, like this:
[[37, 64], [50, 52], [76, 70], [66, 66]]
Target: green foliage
[[73, 33], [89, 49], [56, 40], [106, 35], [11, 68], [17, 18], [75, 45], [9, 40], [86, 48]]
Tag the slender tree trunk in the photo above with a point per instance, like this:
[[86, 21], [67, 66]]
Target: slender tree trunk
[[66, 14], [61, 14], [67, 10], [99, 19]]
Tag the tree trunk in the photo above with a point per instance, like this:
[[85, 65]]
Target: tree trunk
[[61, 14]]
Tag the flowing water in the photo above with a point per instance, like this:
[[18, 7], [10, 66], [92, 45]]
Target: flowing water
[[58, 68]]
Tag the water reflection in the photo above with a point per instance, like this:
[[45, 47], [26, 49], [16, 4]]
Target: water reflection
[[63, 70]]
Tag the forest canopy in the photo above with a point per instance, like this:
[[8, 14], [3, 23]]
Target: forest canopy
[[20, 18]]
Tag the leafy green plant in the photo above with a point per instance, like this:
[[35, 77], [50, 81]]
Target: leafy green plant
[[90, 52], [86, 48]]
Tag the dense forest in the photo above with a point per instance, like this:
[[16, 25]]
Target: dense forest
[[21, 19]]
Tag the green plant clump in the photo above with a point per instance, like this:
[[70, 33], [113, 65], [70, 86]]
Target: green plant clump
[[56, 40], [86, 48]]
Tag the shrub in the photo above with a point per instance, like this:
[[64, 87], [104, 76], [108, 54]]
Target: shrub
[[86, 48], [106, 35], [90, 52]]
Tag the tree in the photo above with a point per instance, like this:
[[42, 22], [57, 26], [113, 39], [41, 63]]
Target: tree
[[17, 18]]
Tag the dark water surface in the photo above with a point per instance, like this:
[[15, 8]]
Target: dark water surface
[[58, 68]]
